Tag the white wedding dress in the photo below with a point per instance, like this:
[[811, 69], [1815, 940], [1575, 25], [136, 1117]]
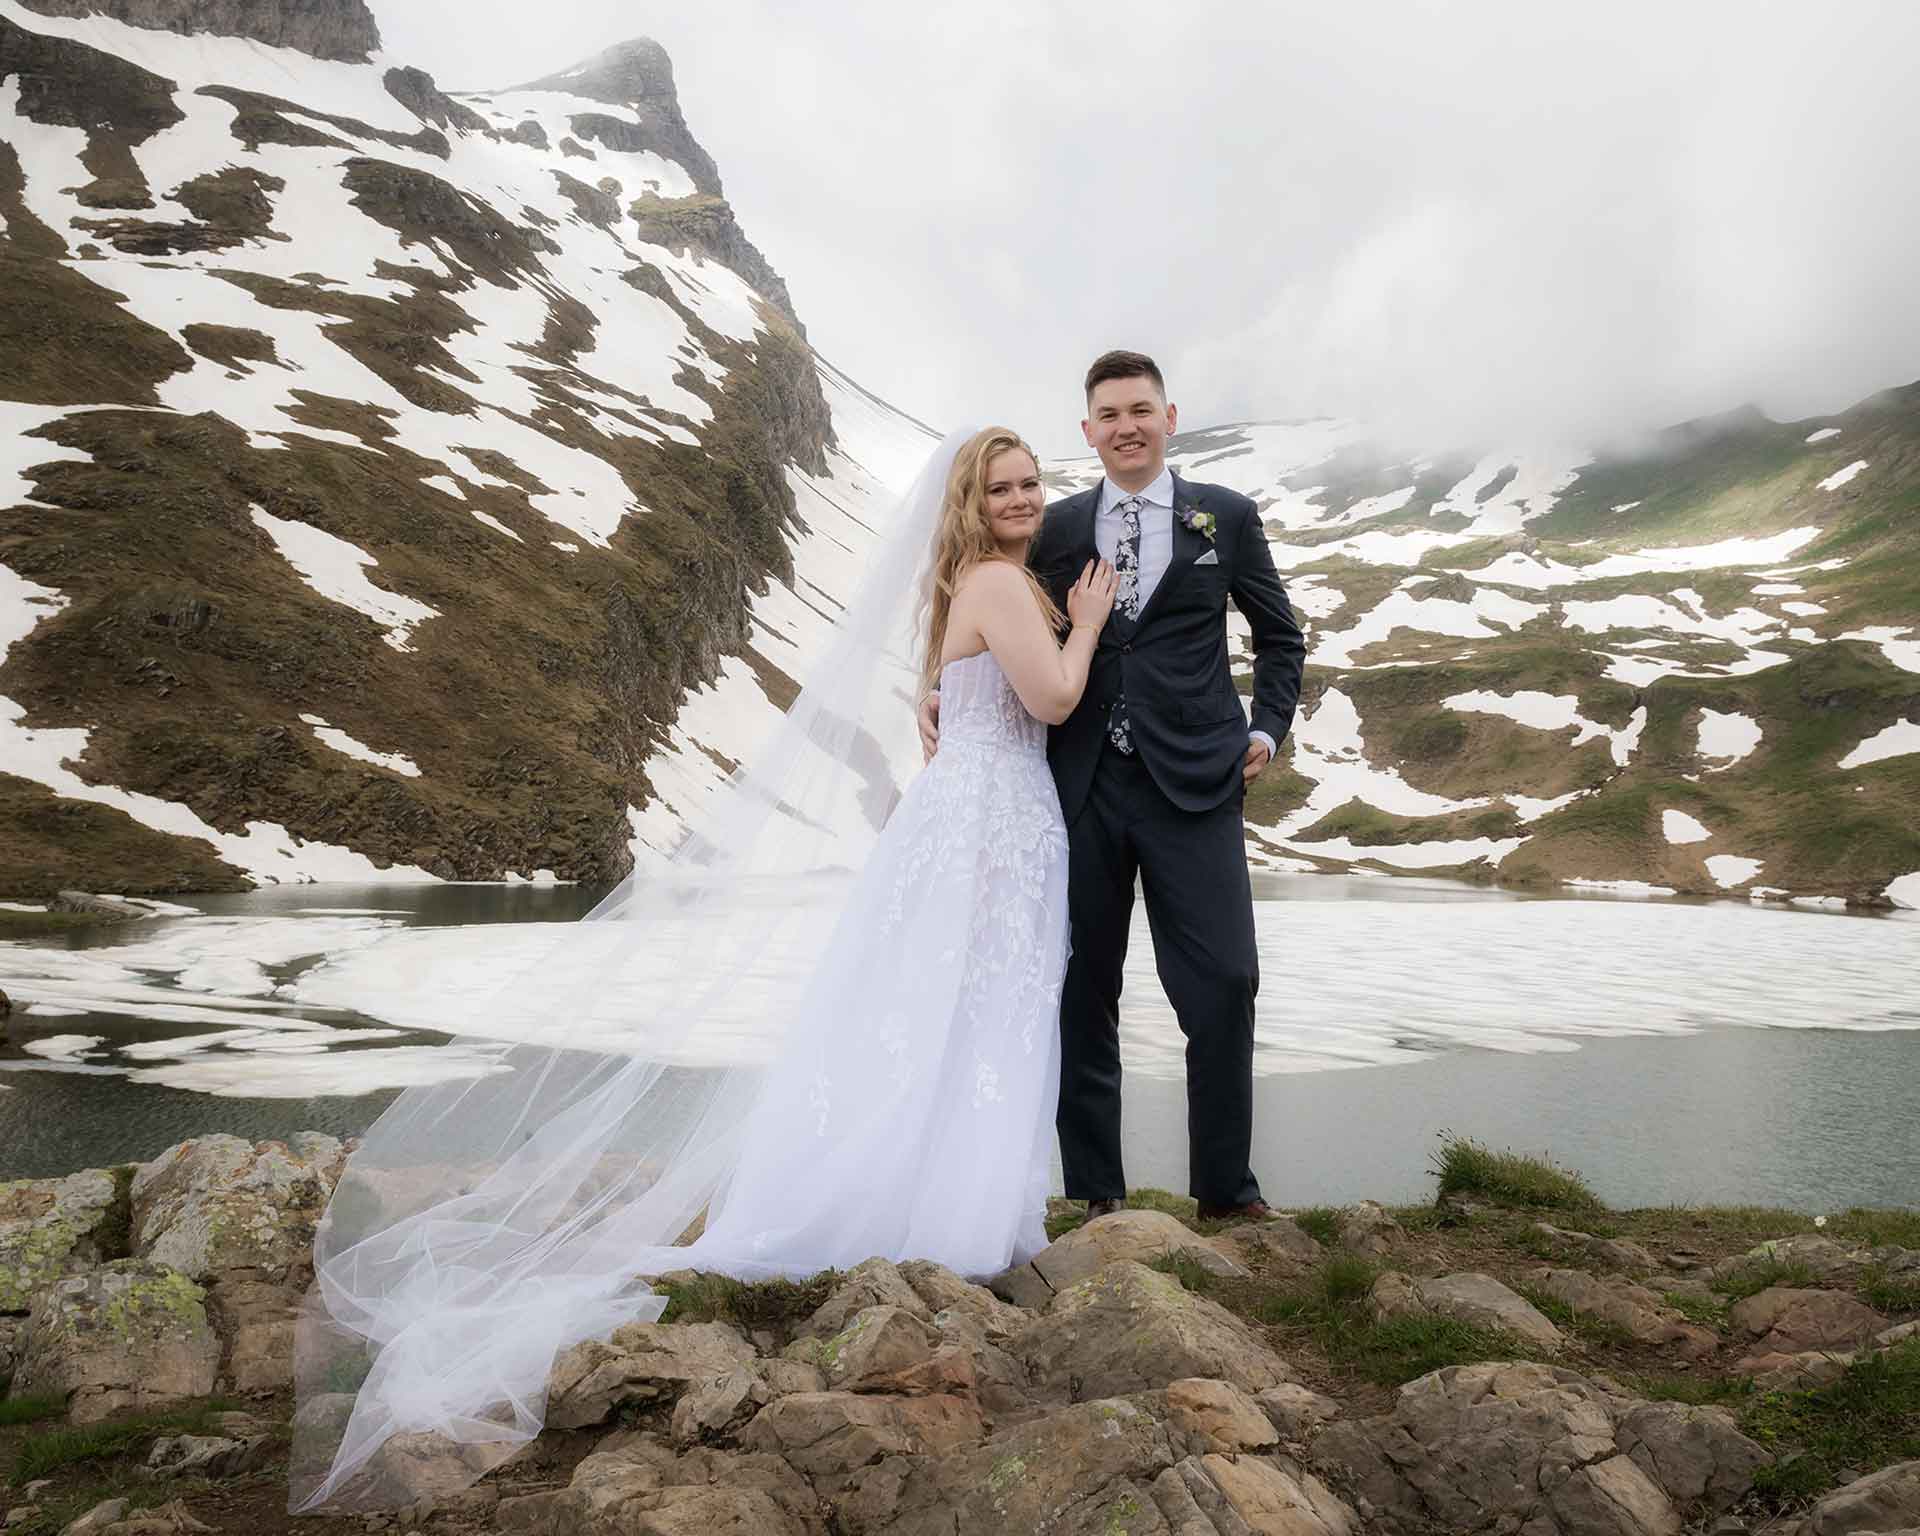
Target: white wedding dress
[[893, 1124], [907, 1112]]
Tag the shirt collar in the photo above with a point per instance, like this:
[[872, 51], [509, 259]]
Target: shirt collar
[[1158, 494]]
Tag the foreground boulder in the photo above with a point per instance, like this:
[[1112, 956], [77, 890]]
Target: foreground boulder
[[1130, 1329], [1369, 1230], [947, 1297], [641, 1364], [55, 1227], [1477, 1299], [829, 1435], [1641, 1314], [1787, 1321], [1280, 1247], [217, 1204], [239, 1217], [1510, 1447], [1187, 1461], [12, 1329], [1612, 1253], [642, 1486], [876, 1283], [125, 1335], [1887, 1500], [1828, 1261], [1138, 1236], [715, 1409]]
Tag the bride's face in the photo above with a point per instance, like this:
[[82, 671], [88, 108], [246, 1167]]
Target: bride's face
[[1015, 497]]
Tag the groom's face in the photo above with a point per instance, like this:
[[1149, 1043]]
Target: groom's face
[[1127, 425]]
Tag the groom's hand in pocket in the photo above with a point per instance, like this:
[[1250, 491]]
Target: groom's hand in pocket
[[1256, 760], [929, 713]]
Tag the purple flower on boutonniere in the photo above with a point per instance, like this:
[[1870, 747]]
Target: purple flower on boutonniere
[[1202, 523]]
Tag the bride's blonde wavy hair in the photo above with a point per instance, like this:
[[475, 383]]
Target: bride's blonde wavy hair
[[964, 539]]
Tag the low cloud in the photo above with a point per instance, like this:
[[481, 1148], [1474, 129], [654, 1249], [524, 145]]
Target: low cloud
[[1504, 222]]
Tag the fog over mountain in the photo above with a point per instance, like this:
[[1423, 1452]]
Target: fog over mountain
[[1529, 224]]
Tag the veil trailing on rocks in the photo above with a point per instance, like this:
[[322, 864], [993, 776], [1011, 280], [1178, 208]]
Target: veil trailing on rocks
[[486, 1225]]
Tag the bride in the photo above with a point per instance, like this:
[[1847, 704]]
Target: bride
[[907, 1112]]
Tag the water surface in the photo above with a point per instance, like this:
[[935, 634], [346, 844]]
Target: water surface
[[1673, 1051]]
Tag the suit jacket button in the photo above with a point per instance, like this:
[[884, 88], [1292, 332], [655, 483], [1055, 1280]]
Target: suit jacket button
[[1126, 650]]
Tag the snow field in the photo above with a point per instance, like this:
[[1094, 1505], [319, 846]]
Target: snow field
[[1726, 738], [1554, 712], [340, 741], [1897, 740]]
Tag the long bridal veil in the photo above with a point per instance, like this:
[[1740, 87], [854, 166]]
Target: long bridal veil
[[484, 1225]]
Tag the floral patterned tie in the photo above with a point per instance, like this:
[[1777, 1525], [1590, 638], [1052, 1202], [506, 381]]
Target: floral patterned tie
[[1126, 602]]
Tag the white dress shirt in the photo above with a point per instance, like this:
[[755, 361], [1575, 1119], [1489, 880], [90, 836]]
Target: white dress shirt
[[1156, 543], [1156, 529]]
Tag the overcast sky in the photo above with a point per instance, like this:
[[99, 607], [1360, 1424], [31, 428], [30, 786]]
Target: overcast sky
[[1517, 222]]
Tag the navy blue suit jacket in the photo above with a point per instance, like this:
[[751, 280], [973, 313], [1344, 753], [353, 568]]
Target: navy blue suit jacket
[[1188, 725]]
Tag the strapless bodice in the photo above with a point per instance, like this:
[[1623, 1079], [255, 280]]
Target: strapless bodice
[[979, 707]]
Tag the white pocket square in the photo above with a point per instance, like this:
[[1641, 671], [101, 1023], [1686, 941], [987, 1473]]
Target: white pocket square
[[1211, 557]]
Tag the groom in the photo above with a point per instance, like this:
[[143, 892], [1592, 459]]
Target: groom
[[1152, 768]]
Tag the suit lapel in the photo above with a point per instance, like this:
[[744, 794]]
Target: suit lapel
[[1188, 547], [1085, 547]]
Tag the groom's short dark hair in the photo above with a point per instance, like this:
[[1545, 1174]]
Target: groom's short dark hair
[[1124, 365]]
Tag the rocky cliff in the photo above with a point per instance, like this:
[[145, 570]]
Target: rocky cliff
[[375, 481], [342, 30]]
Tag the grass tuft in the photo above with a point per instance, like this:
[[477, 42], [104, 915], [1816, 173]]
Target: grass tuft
[[1332, 1307], [777, 1306], [1346, 1278], [1868, 1419], [1707, 1311], [1595, 1330], [1698, 1390], [1402, 1348], [1888, 1293], [1188, 1270], [1321, 1223], [1876, 1229], [1463, 1165], [45, 1453], [1764, 1274], [30, 1410]]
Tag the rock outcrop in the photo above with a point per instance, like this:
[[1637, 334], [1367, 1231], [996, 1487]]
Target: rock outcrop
[[911, 1402], [124, 1335], [342, 30], [569, 446], [55, 1227], [1476, 1299], [1509, 1447]]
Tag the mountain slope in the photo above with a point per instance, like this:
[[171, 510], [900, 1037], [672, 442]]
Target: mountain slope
[[1691, 666], [378, 469]]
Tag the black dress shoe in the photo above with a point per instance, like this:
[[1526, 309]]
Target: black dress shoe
[[1253, 1210], [1098, 1208]]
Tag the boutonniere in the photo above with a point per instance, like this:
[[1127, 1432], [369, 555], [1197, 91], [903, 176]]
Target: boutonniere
[[1202, 523]]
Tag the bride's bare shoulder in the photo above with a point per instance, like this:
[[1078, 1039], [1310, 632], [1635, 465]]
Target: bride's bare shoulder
[[992, 581]]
